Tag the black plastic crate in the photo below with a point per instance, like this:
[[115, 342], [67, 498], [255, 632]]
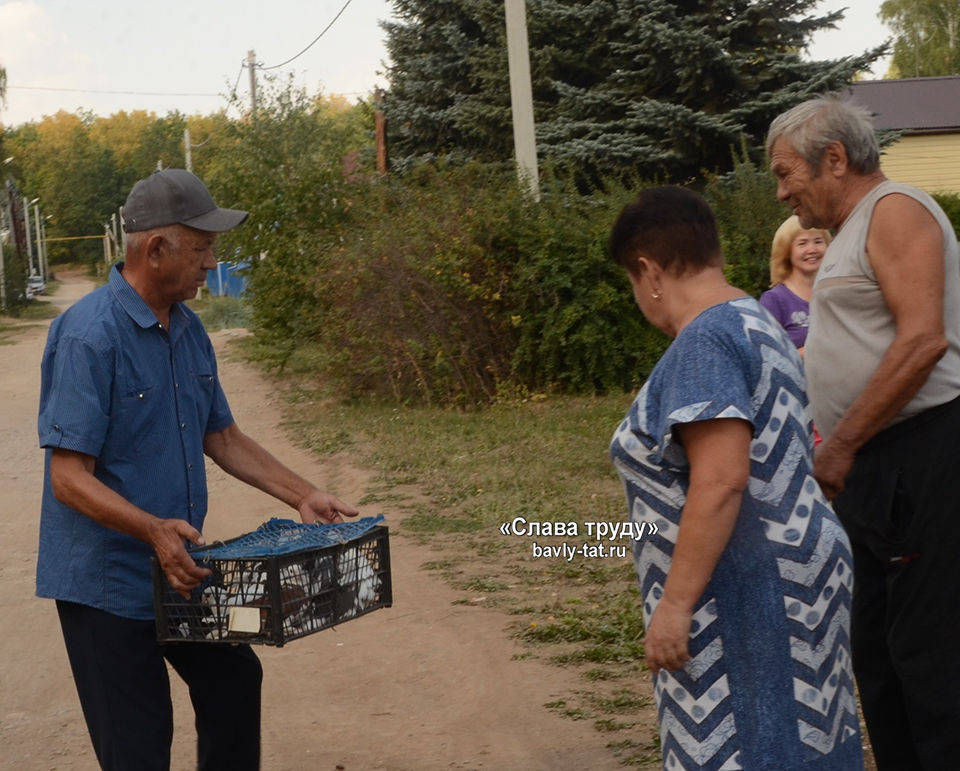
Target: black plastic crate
[[282, 581]]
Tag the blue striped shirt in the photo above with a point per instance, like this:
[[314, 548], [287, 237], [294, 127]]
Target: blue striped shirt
[[117, 386]]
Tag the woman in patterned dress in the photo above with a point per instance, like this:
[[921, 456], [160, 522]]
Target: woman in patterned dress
[[746, 582]]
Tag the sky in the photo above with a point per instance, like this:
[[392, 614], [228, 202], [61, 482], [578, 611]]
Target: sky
[[186, 55]]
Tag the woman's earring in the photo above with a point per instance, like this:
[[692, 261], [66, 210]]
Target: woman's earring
[[656, 295]]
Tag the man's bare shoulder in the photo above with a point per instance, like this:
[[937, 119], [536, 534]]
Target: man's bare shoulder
[[903, 227], [895, 210]]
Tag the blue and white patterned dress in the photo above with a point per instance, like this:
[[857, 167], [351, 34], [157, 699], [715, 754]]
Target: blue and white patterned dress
[[769, 684]]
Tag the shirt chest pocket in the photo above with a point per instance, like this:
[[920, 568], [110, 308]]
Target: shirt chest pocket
[[141, 420], [199, 398]]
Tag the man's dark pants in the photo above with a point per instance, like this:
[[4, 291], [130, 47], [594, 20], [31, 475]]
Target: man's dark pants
[[121, 676], [901, 508]]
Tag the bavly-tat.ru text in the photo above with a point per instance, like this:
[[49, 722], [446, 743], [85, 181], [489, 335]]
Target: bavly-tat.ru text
[[599, 531]]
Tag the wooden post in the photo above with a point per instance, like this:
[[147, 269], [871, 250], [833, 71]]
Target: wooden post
[[381, 132], [36, 225], [3, 280], [26, 232]]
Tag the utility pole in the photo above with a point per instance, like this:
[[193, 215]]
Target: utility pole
[[40, 258], [251, 65], [6, 219], [381, 132], [188, 156], [11, 229], [3, 280], [46, 251], [26, 232], [521, 96]]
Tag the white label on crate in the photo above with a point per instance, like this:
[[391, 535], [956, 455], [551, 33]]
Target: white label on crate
[[246, 620]]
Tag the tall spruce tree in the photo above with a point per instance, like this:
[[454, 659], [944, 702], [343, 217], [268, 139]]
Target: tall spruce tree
[[657, 88], [447, 81]]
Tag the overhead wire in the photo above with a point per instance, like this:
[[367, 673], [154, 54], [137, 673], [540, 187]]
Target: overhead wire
[[322, 33], [166, 93], [235, 85]]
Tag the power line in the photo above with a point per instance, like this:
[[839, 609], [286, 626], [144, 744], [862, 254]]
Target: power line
[[100, 91], [339, 14], [235, 85]]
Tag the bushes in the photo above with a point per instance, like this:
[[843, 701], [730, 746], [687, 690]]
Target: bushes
[[450, 286], [286, 168], [413, 297], [444, 285], [459, 289], [748, 215], [950, 203], [580, 329]]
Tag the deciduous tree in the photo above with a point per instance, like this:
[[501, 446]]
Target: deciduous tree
[[926, 37], [74, 176]]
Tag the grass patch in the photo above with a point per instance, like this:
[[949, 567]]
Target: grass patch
[[37, 310], [609, 625], [574, 713], [608, 724], [221, 312], [8, 333], [636, 754]]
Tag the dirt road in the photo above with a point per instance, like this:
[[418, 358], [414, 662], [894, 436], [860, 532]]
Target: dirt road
[[422, 686]]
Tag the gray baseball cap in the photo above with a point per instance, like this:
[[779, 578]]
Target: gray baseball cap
[[176, 197]]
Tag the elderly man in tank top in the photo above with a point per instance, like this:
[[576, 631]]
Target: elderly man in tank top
[[883, 371]]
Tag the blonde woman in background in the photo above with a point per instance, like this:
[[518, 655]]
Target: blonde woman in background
[[795, 258]]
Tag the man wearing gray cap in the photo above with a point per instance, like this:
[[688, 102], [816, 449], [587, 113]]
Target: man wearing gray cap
[[130, 403]]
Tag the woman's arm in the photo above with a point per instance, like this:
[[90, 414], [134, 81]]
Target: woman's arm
[[719, 454]]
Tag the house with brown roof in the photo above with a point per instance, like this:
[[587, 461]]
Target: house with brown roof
[[927, 113]]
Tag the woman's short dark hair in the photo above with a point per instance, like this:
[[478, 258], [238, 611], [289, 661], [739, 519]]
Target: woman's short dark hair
[[671, 225]]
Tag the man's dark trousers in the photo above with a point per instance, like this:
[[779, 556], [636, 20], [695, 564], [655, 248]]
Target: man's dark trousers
[[121, 676], [901, 509]]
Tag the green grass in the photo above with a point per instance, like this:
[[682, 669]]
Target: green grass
[[8, 333], [221, 312], [19, 317]]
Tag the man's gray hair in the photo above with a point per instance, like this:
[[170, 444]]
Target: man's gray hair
[[812, 125], [137, 239]]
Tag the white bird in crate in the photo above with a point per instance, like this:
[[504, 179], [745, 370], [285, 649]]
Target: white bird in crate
[[357, 577]]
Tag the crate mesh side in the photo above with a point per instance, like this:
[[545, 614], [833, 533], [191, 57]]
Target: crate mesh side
[[280, 598]]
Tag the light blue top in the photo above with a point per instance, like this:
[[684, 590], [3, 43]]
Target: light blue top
[[118, 387]]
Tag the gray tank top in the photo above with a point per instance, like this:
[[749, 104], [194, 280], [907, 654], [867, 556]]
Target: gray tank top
[[851, 326]]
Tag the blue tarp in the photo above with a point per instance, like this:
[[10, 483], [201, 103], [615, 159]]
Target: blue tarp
[[225, 281], [284, 536]]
